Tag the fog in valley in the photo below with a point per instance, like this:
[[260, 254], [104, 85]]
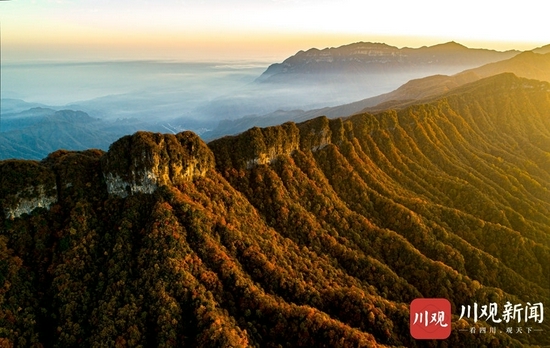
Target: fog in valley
[[189, 94], [119, 98], [151, 91]]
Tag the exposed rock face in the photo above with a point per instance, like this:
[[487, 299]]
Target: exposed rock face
[[315, 134], [25, 186], [141, 162], [363, 57], [27, 205], [259, 146], [256, 146], [325, 247]]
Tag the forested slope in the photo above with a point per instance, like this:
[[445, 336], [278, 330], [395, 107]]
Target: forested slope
[[312, 234]]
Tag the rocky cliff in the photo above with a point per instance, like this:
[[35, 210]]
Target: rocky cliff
[[144, 161], [139, 163], [25, 186], [304, 235]]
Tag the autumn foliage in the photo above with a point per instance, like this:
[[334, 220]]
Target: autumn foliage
[[322, 242]]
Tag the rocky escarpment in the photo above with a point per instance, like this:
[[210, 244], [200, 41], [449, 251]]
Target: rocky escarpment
[[134, 164], [144, 161], [259, 146], [25, 186], [311, 234], [363, 57], [256, 146]]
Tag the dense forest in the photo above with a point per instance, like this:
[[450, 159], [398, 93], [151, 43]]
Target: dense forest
[[318, 234]]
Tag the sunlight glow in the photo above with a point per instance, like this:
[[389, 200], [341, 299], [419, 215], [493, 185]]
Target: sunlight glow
[[270, 29]]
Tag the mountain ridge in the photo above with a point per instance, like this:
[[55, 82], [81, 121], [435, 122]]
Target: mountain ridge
[[34, 133], [526, 64], [323, 230], [362, 57], [523, 65]]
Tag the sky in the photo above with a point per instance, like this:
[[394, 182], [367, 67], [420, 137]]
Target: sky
[[270, 30]]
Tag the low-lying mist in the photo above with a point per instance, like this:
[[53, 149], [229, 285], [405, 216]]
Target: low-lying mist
[[211, 99], [156, 90], [185, 95]]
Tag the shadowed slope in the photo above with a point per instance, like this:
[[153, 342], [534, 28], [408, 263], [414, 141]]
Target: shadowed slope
[[311, 234]]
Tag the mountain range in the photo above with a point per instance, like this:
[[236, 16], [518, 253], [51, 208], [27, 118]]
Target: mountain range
[[316, 78], [527, 64], [26, 128], [34, 133], [312, 234], [367, 58]]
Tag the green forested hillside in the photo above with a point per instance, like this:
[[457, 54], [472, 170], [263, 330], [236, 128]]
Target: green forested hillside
[[313, 234]]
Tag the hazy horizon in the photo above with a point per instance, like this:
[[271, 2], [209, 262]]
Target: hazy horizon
[[164, 182], [267, 30], [64, 83], [197, 60]]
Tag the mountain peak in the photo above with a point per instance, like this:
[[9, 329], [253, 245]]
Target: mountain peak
[[451, 45], [144, 161], [362, 58], [71, 116], [137, 163], [331, 226]]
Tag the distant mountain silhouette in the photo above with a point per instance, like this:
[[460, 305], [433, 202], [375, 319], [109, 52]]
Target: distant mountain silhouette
[[22, 119], [317, 234], [368, 58], [542, 50], [316, 78], [34, 133], [13, 106], [526, 64]]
